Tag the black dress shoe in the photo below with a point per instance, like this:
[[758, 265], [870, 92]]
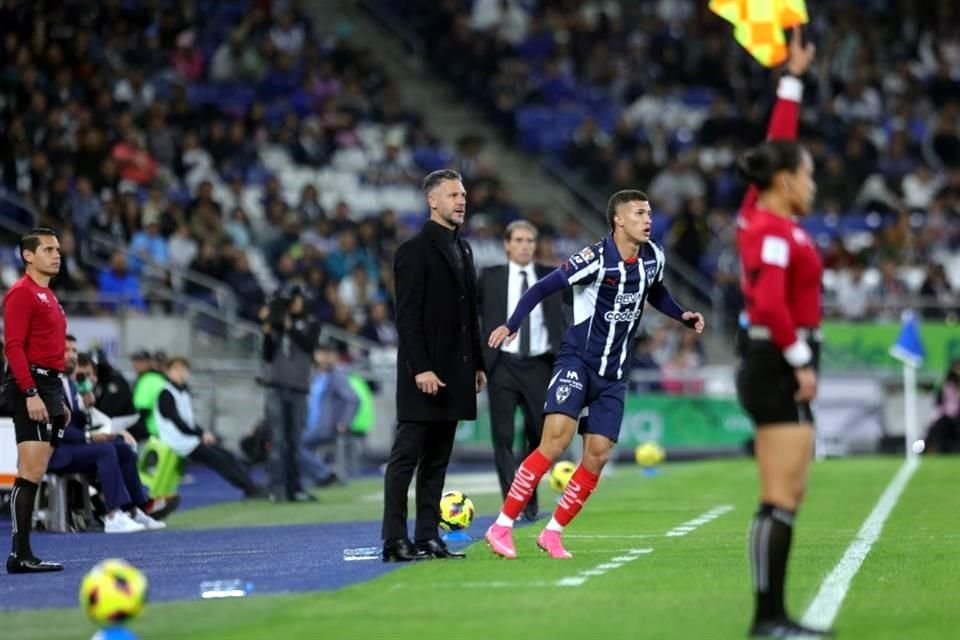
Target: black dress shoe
[[531, 513], [31, 565], [786, 628], [436, 548], [401, 550]]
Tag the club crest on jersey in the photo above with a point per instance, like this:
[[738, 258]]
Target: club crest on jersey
[[586, 253], [563, 392]]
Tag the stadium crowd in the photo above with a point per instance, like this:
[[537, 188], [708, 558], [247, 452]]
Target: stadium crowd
[[231, 141], [658, 94]]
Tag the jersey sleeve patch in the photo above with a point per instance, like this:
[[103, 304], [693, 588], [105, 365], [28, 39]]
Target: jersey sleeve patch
[[581, 264], [775, 251]]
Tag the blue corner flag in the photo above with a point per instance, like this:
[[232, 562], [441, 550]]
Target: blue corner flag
[[908, 348]]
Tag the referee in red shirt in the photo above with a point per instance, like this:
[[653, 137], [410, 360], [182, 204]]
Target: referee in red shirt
[[777, 380], [35, 328]]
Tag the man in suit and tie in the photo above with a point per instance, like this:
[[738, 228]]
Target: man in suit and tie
[[518, 372]]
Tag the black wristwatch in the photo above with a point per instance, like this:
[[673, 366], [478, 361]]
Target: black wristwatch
[[32, 391]]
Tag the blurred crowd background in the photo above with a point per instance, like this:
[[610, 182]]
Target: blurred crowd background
[[246, 146]]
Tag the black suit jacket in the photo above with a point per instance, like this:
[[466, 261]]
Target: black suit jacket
[[493, 309], [437, 323]]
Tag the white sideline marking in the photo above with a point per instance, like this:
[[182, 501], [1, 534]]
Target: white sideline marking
[[690, 525], [826, 604], [603, 567]]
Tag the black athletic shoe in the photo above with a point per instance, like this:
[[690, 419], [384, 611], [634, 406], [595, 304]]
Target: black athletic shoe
[[786, 628], [31, 565]]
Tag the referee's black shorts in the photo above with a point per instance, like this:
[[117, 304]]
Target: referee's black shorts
[[50, 390], [766, 383]]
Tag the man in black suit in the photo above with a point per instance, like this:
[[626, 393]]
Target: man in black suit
[[519, 372], [440, 367]]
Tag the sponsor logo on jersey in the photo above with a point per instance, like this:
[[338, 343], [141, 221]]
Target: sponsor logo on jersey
[[572, 375], [43, 298], [622, 316], [627, 298]]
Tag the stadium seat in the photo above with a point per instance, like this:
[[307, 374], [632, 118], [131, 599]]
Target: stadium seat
[[52, 507], [160, 468]]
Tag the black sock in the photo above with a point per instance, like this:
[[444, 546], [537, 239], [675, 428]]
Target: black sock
[[21, 510], [769, 548]]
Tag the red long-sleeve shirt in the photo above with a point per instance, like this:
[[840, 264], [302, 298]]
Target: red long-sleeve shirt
[[34, 330], [781, 269]]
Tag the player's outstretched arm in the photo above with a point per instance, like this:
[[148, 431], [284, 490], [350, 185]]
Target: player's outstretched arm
[[662, 301]]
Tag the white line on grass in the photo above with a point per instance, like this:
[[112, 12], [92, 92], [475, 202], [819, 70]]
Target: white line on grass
[[690, 525], [826, 604]]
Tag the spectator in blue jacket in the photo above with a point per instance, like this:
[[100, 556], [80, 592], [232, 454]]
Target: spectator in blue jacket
[[120, 286], [331, 408]]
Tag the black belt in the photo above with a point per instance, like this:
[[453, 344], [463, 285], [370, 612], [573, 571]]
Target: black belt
[[516, 356], [760, 332], [46, 373]]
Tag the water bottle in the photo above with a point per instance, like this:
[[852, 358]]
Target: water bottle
[[225, 589]]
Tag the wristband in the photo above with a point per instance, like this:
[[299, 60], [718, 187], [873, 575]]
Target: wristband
[[31, 392], [798, 354], [790, 88]]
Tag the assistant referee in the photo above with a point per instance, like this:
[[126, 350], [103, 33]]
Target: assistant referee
[[35, 329]]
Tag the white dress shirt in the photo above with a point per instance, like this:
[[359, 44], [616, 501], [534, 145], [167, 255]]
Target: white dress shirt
[[539, 340]]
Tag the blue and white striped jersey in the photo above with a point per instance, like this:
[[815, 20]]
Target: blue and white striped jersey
[[608, 299]]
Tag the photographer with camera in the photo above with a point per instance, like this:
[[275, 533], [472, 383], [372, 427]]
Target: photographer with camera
[[290, 335]]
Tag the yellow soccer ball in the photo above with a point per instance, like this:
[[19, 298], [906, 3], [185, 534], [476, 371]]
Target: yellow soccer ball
[[456, 511], [560, 475], [650, 454], [113, 591]]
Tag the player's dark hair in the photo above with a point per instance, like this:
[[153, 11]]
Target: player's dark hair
[[31, 239], [760, 164], [71, 338], [436, 177], [84, 360], [622, 197]]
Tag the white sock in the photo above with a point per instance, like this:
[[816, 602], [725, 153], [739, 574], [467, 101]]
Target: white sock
[[504, 520], [553, 525]]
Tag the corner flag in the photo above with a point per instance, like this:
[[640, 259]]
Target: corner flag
[[908, 348], [758, 25]]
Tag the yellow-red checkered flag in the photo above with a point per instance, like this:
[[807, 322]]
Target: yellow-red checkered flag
[[758, 25]]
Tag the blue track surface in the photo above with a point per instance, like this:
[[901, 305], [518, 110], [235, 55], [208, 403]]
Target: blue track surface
[[279, 559]]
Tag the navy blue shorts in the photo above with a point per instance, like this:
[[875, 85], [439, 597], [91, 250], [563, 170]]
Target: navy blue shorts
[[577, 391]]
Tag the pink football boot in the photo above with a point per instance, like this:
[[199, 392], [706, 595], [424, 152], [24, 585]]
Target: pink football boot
[[500, 540], [552, 543]]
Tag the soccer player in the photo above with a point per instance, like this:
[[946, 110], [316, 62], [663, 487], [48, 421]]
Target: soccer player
[[776, 380], [612, 281], [35, 328]]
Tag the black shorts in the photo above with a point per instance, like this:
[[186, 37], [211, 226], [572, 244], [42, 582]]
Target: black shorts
[[766, 383], [50, 390]]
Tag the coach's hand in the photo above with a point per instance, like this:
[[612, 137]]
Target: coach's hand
[[807, 381], [501, 335], [429, 383], [481, 379], [37, 410], [694, 320]]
